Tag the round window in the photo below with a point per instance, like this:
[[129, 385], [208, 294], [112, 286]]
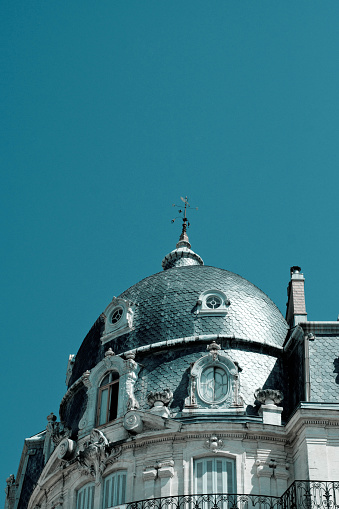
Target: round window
[[213, 384], [213, 302], [116, 315]]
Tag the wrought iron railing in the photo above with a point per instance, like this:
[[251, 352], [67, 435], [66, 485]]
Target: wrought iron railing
[[300, 495]]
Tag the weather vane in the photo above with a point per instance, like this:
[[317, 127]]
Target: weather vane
[[183, 211]]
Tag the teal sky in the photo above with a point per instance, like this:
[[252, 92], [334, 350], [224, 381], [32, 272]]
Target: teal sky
[[110, 112]]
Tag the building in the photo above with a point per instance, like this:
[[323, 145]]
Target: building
[[192, 386]]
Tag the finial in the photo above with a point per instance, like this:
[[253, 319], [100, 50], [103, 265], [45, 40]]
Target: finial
[[183, 239], [182, 255]]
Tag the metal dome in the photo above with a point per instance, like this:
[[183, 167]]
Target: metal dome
[[166, 308]]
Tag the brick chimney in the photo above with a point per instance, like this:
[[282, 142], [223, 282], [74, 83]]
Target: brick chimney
[[296, 308]]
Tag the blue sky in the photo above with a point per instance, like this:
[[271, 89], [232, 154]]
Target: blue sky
[[113, 110]]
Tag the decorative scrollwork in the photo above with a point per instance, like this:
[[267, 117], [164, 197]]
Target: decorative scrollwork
[[301, 495]]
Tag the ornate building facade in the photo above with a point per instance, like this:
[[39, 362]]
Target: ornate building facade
[[191, 388]]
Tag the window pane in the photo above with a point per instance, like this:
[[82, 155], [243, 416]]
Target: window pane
[[123, 489], [115, 489], [230, 482], [107, 493], [214, 475], [105, 381], [114, 388], [103, 406], [209, 484], [85, 497], [207, 384], [219, 477], [220, 384], [79, 500]]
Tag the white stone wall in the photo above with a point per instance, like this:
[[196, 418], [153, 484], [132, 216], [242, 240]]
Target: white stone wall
[[159, 462]]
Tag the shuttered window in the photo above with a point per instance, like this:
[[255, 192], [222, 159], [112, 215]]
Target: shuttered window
[[115, 489], [214, 475], [85, 497]]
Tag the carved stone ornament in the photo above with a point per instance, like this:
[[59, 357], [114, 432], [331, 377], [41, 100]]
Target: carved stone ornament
[[10, 487], [96, 455], [133, 422], [268, 396], [132, 367], [214, 384], [213, 349], [159, 400], [10, 480], [66, 449], [214, 443], [57, 430], [161, 469]]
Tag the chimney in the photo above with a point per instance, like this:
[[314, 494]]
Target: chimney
[[296, 308]]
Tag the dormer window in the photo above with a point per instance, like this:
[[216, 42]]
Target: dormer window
[[118, 319], [214, 385], [108, 398], [212, 302]]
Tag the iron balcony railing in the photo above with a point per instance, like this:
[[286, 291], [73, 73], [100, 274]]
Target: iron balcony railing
[[300, 495]]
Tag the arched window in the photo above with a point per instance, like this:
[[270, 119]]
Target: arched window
[[108, 398], [85, 497], [115, 489], [214, 475]]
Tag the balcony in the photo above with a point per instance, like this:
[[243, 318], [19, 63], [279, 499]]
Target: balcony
[[300, 495]]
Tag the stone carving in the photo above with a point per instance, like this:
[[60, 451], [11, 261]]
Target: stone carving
[[214, 384], [131, 365], [57, 430], [214, 443], [10, 485], [161, 469], [85, 379], [66, 449], [269, 409], [96, 455], [268, 396], [159, 401], [213, 349], [71, 361], [133, 422]]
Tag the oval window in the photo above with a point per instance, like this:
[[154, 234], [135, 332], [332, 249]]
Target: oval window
[[213, 384]]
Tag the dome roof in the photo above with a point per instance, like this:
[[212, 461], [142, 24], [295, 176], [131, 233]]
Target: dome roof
[[166, 307]]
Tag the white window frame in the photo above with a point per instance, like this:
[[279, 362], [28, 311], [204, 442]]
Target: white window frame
[[114, 489], [122, 326], [85, 496], [215, 470], [203, 308]]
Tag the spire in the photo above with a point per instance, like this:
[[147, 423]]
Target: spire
[[182, 255], [183, 239]]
